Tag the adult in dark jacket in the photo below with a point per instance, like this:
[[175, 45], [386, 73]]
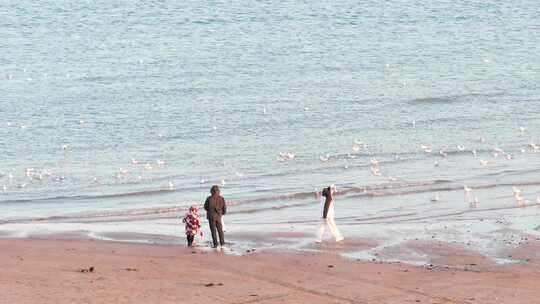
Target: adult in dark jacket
[[215, 207]]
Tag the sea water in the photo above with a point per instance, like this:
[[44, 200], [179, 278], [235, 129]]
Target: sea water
[[128, 111]]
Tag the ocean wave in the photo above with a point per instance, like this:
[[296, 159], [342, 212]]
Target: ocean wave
[[451, 98]]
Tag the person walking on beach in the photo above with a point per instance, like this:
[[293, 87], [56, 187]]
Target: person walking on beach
[[216, 207], [193, 224], [328, 216]]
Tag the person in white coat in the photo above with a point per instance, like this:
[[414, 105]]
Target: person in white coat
[[327, 219]]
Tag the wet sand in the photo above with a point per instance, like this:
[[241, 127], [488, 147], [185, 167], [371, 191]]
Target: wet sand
[[57, 271]]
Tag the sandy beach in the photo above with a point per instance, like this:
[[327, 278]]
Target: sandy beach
[[59, 271]]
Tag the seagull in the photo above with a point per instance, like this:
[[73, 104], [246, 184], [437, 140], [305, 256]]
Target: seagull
[[290, 155], [443, 154], [436, 198], [374, 161], [426, 148], [356, 148], [468, 192], [29, 172], [223, 182], [484, 162], [474, 153], [461, 148], [324, 158], [522, 129], [475, 202], [134, 161], [171, 186], [286, 156], [203, 181], [64, 147], [4, 188], [517, 195], [148, 166], [375, 171]]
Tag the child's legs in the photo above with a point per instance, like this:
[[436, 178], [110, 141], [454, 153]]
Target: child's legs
[[190, 239]]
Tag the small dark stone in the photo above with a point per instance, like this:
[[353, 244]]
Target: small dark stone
[[209, 284], [330, 266]]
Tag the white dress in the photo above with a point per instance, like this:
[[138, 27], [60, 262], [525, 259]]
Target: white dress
[[328, 221]]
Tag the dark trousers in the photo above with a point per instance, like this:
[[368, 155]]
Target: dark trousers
[[190, 240], [215, 224]]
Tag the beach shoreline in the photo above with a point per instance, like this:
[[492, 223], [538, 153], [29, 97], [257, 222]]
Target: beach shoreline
[[57, 270]]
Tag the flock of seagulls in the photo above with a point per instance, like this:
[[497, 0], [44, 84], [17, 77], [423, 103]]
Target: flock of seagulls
[[358, 146], [472, 200]]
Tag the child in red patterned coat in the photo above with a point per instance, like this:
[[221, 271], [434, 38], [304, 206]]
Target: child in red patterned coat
[[193, 224]]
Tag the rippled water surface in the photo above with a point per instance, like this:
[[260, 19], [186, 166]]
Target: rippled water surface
[[132, 108]]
